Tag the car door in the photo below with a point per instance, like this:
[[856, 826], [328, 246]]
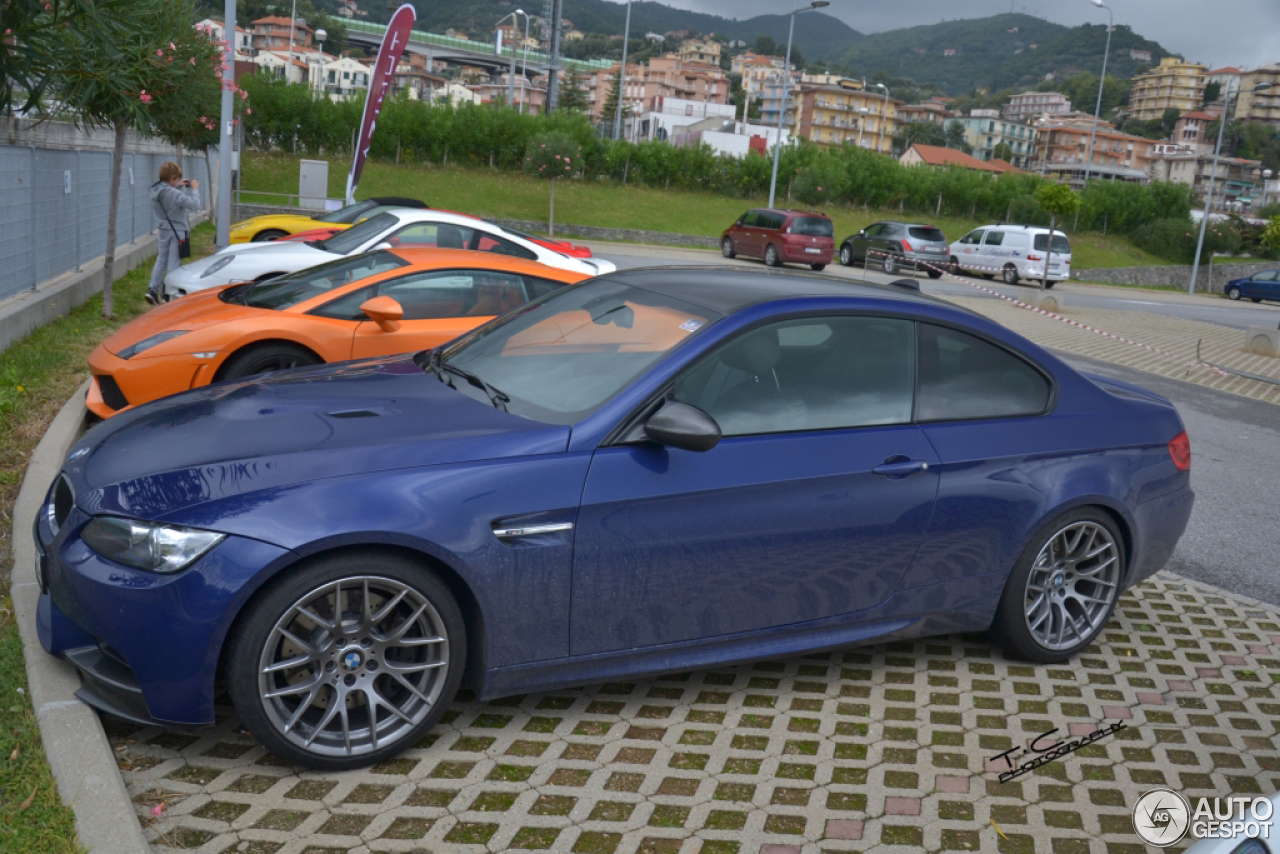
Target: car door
[[439, 305], [991, 255], [865, 241], [811, 506], [966, 249], [747, 241], [1263, 285]]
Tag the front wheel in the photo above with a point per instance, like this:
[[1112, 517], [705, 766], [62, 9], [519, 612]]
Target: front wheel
[[771, 256], [846, 255], [890, 264], [934, 273], [269, 234], [818, 267], [348, 662], [1233, 292], [268, 357], [1063, 588], [726, 248], [955, 266]]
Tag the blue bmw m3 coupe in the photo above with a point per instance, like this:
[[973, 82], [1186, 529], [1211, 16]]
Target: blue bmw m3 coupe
[[652, 471]]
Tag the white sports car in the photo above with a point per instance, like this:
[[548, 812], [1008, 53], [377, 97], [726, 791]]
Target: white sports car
[[404, 228]]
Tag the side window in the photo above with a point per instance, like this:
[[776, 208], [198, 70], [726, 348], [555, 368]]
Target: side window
[[455, 293], [347, 307], [972, 237], [536, 288], [994, 238], [875, 229], [431, 235], [1268, 276], [486, 242], [812, 373], [772, 221], [963, 377]]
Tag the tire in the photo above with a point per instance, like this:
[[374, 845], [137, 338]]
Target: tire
[[1009, 275], [771, 256], [1048, 285], [817, 268], [726, 248], [346, 669], [987, 276], [1255, 299], [1068, 607], [1233, 292], [933, 273], [890, 264], [269, 234], [264, 358], [955, 266], [846, 255]]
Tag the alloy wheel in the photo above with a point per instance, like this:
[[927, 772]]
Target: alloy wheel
[[1233, 292], [1072, 585], [353, 666], [726, 248], [890, 264], [846, 256]]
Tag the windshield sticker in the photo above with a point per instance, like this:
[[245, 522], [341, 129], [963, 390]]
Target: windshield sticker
[[691, 325]]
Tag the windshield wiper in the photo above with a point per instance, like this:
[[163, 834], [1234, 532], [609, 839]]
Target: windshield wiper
[[499, 399]]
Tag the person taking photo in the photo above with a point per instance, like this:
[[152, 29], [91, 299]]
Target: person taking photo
[[171, 198]]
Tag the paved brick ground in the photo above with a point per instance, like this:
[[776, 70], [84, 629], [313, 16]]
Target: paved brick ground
[[885, 747]]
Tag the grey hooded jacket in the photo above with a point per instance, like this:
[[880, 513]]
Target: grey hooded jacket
[[173, 203]]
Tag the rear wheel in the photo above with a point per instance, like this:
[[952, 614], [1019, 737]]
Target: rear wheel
[[771, 256], [1048, 285], [846, 255], [1009, 274], [269, 234], [1233, 292], [955, 266], [1256, 299], [818, 267], [267, 357], [726, 248], [934, 273], [890, 264], [347, 663], [1063, 588]]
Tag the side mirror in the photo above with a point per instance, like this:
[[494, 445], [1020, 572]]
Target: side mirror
[[680, 425], [383, 245], [384, 311], [862, 233]]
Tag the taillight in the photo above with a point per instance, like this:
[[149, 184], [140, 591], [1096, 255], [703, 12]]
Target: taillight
[[1180, 451], [1034, 258], [906, 247]]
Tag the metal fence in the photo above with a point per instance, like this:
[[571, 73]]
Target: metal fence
[[54, 203]]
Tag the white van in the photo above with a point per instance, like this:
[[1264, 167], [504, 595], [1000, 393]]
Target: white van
[[1013, 252]]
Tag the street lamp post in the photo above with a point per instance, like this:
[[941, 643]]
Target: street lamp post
[[1213, 173], [321, 35], [786, 81], [1088, 163], [861, 121], [884, 119], [622, 77], [524, 60], [1042, 126], [293, 15], [1266, 176], [511, 75]]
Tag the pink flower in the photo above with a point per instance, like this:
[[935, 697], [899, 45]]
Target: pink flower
[[144, 97], [171, 47], [158, 809], [192, 60], [248, 111], [244, 96], [159, 52]]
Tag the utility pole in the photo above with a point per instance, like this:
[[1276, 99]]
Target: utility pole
[[556, 7], [225, 141]]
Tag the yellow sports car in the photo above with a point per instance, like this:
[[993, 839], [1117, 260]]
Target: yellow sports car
[[272, 226]]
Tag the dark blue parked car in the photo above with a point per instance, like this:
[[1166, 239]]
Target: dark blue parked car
[[1259, 286], [653, 471]]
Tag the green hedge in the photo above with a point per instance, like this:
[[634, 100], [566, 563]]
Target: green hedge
[[291, 118]]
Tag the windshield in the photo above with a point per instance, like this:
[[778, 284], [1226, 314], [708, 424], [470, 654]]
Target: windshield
[[1061, 246], [346, 214], [926, 232], [562, 357], [811, 226], [345, 242], [286, 291]]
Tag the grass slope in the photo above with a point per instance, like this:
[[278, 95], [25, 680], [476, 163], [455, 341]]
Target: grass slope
[[37, 375], [491, 193]]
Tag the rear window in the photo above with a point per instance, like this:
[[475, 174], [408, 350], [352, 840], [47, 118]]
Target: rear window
[[924, 232], [1060, 243], [811, 226], [962, 378]]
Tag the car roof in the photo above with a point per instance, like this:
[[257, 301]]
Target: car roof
[[1011, 226], [790, 212], [445, 258], [401, 201], [905, 223], [730, 289]]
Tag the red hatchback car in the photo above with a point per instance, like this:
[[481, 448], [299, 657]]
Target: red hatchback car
[[779, 237]]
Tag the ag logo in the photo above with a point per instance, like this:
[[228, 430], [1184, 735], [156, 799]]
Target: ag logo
[[1161, 817]]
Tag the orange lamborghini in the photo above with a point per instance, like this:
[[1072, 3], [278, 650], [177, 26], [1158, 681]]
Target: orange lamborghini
[[374, 304]]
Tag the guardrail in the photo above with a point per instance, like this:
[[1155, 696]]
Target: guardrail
[[420, 37]]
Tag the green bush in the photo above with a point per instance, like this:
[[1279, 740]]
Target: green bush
[[1175, 239]]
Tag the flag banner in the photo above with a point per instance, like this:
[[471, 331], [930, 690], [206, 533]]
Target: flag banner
[[380, 79]]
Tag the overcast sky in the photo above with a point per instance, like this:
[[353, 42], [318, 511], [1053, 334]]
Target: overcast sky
[[1243, 33]]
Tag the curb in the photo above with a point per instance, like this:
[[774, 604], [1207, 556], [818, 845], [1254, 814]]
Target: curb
[[74, 742]]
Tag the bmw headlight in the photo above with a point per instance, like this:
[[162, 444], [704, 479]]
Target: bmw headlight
[[217, 265], [147, 343], [147, 545]]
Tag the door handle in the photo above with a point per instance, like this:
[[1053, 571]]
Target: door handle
[[900, 467]]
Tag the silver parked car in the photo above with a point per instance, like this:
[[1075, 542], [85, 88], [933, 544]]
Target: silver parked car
[[895, 245]]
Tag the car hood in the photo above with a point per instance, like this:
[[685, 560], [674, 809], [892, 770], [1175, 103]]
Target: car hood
[[200, 310], [289, 428]]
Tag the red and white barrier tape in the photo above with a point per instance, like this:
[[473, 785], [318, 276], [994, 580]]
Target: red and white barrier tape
[[1020, 304]]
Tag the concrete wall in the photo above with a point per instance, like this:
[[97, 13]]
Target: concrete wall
[[1174, 275], [586, 232]]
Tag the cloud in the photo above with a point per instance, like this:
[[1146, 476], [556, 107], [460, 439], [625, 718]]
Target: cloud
[[1243, 33]]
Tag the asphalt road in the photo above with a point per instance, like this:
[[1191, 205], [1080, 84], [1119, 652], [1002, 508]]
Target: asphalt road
[[1233, 538], [1238, 315]]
